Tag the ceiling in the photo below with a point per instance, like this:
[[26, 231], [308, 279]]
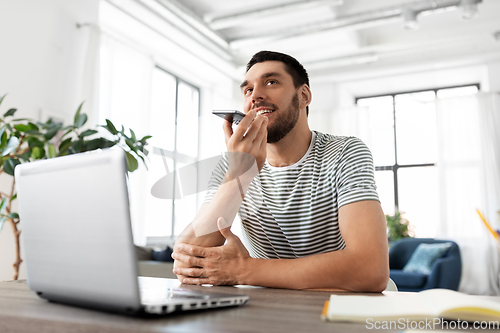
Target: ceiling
[[345, 36]]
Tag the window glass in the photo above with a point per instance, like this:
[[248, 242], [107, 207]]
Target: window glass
[[418, 198], [416, 132], [381, 128], [158, 211], [187, 120], [456, 92], [162, 120], [385, 189]]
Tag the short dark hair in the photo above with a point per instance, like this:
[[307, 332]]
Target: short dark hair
[[292, 66]]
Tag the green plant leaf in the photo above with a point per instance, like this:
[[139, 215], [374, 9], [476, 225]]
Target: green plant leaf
[[14, 197], [2, 221], [21, 119], [143, 161], [34, 142], [2, 131], [1, 98], [130, 144], [3, 139], [22, 127], [33, 126], [76, 146], [99, 143], [132, 163], [9, 165], [33, 132], [82, 119], [51, 132], [37, 153], [63, 147], [12, 144], [25, 156], [88, 133], [145, 138], [52, 151], [67, 131], [77, 114], [14, 215], [397, 226], [110, 127], [10, 112], [132, 135], [3, 205]]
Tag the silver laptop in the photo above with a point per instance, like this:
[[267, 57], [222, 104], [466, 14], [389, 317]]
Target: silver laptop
[[78, 244]]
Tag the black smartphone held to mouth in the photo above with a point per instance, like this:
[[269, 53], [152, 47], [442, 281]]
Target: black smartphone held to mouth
[[233, 116]]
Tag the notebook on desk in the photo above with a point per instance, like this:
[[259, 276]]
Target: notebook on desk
[[78, 243]]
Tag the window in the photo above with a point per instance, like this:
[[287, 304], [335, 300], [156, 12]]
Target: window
[[174, 126], [403, 140], [137, 94]]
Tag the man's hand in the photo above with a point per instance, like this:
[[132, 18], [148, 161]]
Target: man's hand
[[222, 265], [250, 136]]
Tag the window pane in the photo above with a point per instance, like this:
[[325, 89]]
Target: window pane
[[158, 212], [385, 189], [187, 120], [456, 92], [381, 124], [125, 81], [162, 123], [418, 199], [416, 132]]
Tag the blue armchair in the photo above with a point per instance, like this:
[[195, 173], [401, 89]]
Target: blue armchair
[[445, 272]]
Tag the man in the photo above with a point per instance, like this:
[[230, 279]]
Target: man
[[310, 212]]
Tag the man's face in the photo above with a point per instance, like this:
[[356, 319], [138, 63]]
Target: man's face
[[269, 89]]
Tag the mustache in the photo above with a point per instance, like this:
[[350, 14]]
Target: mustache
[[264, 104]]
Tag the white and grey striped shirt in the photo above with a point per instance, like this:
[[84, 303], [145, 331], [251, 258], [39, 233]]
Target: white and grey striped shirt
[[292, 211]]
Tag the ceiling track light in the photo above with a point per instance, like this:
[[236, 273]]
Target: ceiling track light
[[469, 8], [410, 19]]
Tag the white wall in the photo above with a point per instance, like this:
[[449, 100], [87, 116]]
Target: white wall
[[493, 78], [41, 68]]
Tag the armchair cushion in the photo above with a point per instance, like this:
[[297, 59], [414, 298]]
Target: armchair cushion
[[422, 260], [408, 280]]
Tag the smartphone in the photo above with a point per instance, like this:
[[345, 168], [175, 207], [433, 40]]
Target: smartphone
[[233, 116]]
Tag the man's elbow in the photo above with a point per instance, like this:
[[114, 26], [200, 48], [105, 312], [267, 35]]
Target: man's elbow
[[379, 273], [373, 276], [378, 281]]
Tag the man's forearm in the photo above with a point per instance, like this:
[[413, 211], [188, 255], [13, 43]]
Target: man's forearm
[[203, 231], [334, 270]]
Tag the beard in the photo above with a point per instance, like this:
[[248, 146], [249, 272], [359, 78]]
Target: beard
[[284, 122]]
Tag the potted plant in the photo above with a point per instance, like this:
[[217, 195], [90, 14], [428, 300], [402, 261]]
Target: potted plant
[[26, 140], [398, 227]]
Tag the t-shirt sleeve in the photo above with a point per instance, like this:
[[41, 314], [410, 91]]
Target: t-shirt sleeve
[[217, 178], [355, 176]]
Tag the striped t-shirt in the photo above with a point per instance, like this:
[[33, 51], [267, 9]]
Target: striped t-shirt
[[292, 211]]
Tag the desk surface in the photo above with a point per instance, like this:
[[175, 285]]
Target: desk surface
[[269, 310]]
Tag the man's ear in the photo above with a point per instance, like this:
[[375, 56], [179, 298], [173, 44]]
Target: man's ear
[[305, 96]]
